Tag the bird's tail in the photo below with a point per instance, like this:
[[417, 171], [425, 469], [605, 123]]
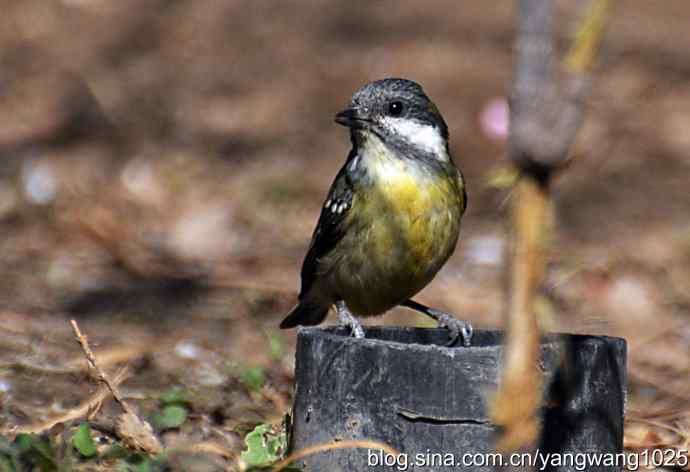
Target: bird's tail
[[306, 313]]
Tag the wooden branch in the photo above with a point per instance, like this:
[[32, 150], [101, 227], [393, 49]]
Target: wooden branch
[[533, 83], [545, 115], [519, 393], [547, 112]]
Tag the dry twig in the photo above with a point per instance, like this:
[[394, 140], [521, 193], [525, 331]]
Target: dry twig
[[134, 431], [84, 409], [94, 365]]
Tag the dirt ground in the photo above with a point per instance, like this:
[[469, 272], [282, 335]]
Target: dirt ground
[[164, 162]]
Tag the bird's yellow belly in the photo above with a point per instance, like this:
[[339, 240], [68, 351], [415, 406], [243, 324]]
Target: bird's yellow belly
[[402, 248]]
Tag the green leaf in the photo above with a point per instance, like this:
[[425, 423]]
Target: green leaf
[[172, 416], [253, 378], [277, 444], [24, 442], [83, 442], [175, 396], [263, 447]]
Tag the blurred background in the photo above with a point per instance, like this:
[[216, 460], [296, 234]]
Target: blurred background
[[163, 164]]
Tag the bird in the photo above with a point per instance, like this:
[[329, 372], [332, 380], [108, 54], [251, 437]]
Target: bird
[[392, 216]]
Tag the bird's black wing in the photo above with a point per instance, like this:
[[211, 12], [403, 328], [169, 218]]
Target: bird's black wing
[[331, 225]]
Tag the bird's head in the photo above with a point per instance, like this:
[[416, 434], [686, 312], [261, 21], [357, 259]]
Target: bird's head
[[399, 113]]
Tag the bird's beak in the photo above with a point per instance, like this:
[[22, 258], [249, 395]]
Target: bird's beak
[[352, 118]]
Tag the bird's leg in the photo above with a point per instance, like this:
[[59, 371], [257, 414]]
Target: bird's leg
[[456, 327], [348, 319]]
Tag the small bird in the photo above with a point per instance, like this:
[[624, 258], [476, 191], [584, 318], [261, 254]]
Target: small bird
[[392, 215]]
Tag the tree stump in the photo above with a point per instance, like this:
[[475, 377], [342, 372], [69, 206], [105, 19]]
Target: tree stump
[[404, 388]]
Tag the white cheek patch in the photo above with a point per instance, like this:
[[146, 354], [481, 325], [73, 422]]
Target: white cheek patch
[[427, 137]]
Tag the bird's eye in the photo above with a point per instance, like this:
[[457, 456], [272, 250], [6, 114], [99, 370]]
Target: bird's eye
[[395, 108]]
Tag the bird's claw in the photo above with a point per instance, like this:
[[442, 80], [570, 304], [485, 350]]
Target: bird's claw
[[356, 330], [456, 327], [347, 319]]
